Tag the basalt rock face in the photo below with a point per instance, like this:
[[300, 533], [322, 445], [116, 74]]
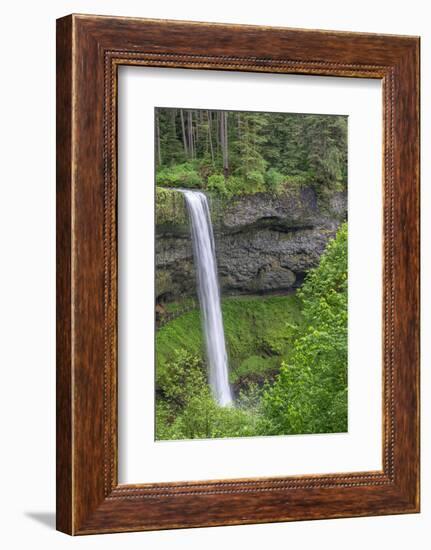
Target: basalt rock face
[[264, 243]]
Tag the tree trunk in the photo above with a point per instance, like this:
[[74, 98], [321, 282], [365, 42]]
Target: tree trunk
[[210, 136], [190, 122], [217, 133], [183, 128], [159, 153], [198, 125], [224, 143]]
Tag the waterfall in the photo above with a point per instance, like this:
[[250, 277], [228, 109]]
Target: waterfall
[[209, 294]]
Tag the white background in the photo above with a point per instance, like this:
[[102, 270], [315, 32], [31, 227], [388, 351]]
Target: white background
[[141, 458], [27, 120]]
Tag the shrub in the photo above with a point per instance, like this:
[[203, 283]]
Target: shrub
[[180, 175], [249, 398], [217, 184], [255, 180], [236, 185], [274, 180], [181, 379], [203, 418], [310, 392], [299, 180], [188, 410]]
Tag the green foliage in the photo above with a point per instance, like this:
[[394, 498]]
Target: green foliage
[[249, 184], [180, 175], [255, 180], [249, 398], [237, 185], [310, 392], [258, 326], [185, 407], [252, 326], [170, 207], [299, 180], [188, 410], [327, 161], [287, 356], [254, 152], [247, 145], [274, 180], [182, 333], [203, 418], [255, 367], [217, 184], [181, 379]]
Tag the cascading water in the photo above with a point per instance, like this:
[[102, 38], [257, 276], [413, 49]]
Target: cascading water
[[209, 294]]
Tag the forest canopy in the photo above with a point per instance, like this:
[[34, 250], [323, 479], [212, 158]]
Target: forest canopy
[[236, 152]]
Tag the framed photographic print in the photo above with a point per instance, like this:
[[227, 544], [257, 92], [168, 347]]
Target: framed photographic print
[[237, 274]]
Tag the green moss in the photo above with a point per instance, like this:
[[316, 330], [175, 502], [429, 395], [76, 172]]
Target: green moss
[[254, 326], [185, 303], [259, 323], [254, 369], [170, 207], [181, 333]]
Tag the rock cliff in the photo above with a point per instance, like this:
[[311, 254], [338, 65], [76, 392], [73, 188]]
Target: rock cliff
[[264, 243]]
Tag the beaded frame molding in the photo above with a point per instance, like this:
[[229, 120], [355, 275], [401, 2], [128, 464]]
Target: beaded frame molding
[[89, 51]]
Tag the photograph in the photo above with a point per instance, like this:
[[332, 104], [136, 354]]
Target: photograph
[[251, 273], [214, 232]]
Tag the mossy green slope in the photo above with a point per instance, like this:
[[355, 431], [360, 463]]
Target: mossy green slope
[[256, 330]]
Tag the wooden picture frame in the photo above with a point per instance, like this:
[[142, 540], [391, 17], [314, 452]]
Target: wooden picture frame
[[89, 51]]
